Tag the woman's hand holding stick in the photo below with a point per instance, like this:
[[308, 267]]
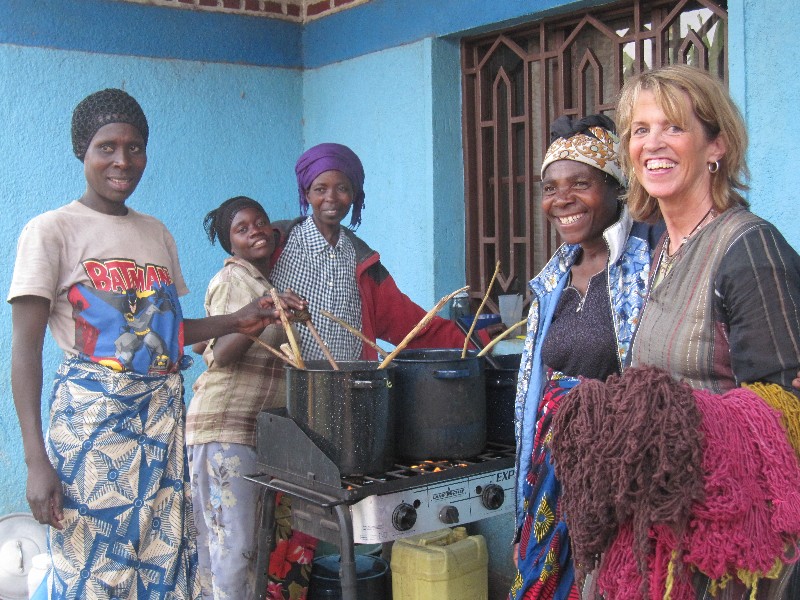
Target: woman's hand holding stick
[[425, 320], [288, 328], [480, 308]]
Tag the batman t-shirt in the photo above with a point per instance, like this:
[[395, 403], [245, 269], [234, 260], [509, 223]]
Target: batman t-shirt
[[113, 284]]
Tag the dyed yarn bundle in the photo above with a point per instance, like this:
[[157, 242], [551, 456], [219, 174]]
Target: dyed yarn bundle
[[786, 404], [627, 453], [743, 522], [752, 505]]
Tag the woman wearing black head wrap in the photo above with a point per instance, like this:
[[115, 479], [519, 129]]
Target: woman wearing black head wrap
[[112, 480], [583, 307], [242, 380], [101, 108]]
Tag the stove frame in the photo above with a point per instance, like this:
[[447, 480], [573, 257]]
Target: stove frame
[[323, 507]]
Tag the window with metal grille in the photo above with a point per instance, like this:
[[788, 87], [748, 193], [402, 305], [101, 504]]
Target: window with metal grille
[[516, 82]]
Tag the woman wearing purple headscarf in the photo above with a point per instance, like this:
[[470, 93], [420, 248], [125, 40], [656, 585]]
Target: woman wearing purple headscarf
[[334, 270]]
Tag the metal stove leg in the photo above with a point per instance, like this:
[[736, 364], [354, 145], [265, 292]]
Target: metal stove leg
[[347, 567], [266, 542]]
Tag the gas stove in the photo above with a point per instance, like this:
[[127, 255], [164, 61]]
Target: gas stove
[[408, 499], [420, 509]]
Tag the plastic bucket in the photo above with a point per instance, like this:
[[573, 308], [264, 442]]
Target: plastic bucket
[[440, 565], [370, 578]]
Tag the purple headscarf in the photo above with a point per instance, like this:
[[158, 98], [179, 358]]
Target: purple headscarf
[[331, 157]]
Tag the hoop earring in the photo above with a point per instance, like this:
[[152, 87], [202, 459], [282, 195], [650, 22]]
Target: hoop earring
[[713, 167]]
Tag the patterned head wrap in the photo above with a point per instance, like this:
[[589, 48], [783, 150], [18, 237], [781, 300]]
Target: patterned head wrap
[[217, 222], [101, 108], [331, 157], [590, 140]]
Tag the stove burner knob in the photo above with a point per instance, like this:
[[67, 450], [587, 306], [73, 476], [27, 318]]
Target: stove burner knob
[[404, 517], [448, 515], [493, 496]]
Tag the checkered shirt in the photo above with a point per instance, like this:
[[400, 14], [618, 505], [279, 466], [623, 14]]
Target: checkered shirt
[[324, 275]]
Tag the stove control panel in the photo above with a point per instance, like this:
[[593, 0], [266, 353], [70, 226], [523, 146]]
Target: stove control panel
[[387, 517], [404, 517], [493, 496], [448, 515]]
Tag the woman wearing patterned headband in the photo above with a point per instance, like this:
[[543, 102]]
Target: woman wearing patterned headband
[[335, 270], [112, 480], [584, 305]]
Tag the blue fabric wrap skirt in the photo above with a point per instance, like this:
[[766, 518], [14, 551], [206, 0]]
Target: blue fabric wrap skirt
[[117, 442], [544, 561]]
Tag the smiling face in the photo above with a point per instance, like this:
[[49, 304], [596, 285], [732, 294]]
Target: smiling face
[[671, 159], [330, 196], [251, 237], [579, 201], [113, 166]]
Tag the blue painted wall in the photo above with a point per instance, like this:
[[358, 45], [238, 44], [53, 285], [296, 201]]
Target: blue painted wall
[[764, 65], [127, 29], [380, 24], [407, 131], [232, 101], [217, 130]]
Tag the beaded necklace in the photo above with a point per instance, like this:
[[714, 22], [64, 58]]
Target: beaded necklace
[[667, 260]]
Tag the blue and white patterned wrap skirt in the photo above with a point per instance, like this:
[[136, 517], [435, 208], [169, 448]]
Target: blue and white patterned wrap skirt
[[117, 442]]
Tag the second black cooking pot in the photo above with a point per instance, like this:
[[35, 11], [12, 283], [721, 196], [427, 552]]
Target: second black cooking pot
[[441, 404], [347, 413], [501, 391]]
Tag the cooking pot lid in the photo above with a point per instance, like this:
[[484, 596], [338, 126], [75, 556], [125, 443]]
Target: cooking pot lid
[[365, 368], [21, 538], [432, 355]]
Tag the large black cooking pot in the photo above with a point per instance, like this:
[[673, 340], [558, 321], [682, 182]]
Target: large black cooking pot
[[501, 391], [441, 404], [348, 414]]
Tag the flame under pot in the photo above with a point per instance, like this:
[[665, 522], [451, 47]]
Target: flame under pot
[[348, 414], [441, 404]]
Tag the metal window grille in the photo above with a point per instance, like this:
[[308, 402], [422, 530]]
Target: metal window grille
[[516, 82]]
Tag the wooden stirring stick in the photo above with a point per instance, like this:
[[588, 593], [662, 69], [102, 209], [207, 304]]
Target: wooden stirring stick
[[425, 320], [280, 355], [304, 317], [288, 329], [480, 308], [321, 343], [381, 352], [287, 351], [502, 336]]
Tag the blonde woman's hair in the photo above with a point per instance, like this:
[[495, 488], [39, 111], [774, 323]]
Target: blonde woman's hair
[[717, 113]]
